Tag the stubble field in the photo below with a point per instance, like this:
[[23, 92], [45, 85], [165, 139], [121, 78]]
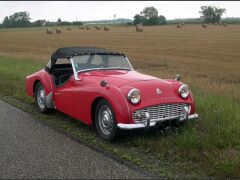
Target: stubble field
[[208, 59]]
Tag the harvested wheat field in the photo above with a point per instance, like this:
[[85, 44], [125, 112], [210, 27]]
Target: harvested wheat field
[[207, 58]]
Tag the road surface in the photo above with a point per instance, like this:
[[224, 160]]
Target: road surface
[[29, 149]]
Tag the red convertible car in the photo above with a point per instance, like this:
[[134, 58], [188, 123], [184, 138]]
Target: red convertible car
[[101, 88]]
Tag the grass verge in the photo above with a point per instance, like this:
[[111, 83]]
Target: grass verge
[[204, 148]]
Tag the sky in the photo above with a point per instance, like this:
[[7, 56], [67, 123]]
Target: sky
[[99, 10]]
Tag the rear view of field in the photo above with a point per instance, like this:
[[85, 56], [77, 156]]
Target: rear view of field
[[208, 60]]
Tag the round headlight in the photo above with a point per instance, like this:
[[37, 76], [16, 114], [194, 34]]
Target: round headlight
[[183, 91], [134, 96]]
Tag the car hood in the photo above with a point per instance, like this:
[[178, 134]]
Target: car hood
[[153, 90], [117, 78]]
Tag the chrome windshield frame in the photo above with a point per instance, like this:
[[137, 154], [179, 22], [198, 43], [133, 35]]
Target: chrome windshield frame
[[74, 70], [92, 69]]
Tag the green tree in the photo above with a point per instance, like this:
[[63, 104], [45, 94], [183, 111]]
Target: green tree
[[18, 19], [211, 14], [6, 22], [150, 12], [162, 20], [151, 15], [138, 19]]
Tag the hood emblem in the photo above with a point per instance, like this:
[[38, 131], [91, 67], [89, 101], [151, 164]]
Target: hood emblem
[[159, 92]]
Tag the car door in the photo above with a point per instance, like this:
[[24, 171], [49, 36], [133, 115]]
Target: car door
[[65, 97], [64, 94]]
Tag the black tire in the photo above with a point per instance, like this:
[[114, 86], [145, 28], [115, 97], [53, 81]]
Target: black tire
[[41, 107], [103, 110]]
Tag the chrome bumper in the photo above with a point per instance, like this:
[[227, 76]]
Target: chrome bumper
[[148, 124]]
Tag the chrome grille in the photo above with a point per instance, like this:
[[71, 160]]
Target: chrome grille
[[160, 112]]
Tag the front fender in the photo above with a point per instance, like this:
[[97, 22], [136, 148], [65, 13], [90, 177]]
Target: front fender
[[119, 103], [87, 95]]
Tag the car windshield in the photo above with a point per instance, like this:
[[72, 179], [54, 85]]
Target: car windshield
[[100, 62]]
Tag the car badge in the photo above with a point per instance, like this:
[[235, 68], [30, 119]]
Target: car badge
[[158, 91]]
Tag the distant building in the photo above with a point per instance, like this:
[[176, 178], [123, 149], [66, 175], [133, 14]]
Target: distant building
[[41, 22]]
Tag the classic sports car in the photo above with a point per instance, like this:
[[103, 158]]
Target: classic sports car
[[101, 88]]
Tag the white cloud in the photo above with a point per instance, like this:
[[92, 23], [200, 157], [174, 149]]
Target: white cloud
[[96, 10]]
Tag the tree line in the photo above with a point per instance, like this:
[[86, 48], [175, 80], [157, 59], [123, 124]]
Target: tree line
[[22, 19], [148, 16]]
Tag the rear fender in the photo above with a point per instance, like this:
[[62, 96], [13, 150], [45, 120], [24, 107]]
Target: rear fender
[[45, 79]]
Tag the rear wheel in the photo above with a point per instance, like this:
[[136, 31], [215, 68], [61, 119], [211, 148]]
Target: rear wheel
[[40, 98], [105, 121]]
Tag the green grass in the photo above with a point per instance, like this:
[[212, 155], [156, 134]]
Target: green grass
[[206, 147]]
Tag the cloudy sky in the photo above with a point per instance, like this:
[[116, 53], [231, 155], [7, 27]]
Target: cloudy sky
[[97, 10]]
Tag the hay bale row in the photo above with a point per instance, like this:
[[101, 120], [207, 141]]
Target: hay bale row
[[50, 31], [139, 28], [81, 27], [219, 23]]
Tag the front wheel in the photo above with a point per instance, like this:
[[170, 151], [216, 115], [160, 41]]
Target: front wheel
[[105, 121], [40, 98]]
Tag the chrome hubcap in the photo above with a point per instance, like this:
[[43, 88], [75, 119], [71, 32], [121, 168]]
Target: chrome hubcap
[[41, 97], [105, 119]]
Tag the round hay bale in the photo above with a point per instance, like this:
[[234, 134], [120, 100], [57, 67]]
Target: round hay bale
[[49, 31], [204, 25], [224, 24], [215, 24], [183, 24], [58, 31], [97, 28], [106, 28], [220, 23], [87, 28], [69, 29], [139, 28], [179, 26]]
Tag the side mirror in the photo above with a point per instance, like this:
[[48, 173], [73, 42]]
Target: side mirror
[[178, 77]]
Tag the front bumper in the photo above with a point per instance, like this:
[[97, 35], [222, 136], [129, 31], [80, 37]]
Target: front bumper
[[150, 123]]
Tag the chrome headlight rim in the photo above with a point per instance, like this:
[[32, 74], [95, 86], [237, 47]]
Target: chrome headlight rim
[[184, 91], [130, 98]]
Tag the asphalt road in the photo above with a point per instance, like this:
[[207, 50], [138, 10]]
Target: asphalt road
[[29, 149]]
